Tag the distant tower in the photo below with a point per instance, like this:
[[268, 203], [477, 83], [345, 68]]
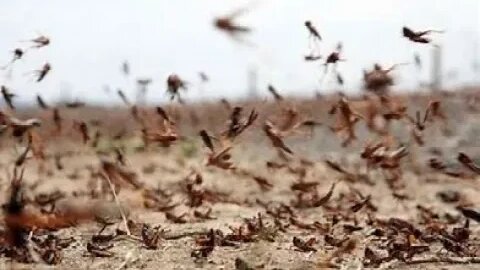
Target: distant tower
[[436, 75], [476, 62], [142, 87], [252, 80]]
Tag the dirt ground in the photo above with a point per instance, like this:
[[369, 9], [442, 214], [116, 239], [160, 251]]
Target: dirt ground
[[165, 170]]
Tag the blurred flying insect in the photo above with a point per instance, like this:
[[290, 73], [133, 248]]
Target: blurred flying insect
[[123, 97], [276, 137], [125, 68], [164, 115], [39, 42], [378, 80], [19, 127], [418, 36], [227, 25], [57, 120], [226, 104], [8, 97], [17, 55], [42, 72], [41, 103], [221, 157], [74, 104], [313, 31], [174, 84], [274, 93], [82, 127], [340, 80], [313, 41], [312, 57], [334, 57], [203, 77]]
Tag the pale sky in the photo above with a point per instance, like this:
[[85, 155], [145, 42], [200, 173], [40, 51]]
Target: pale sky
[[91, 38]]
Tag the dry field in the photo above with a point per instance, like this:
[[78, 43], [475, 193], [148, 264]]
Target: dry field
[[397, 195]]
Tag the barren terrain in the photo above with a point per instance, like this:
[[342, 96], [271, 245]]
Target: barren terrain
[[322, 206]]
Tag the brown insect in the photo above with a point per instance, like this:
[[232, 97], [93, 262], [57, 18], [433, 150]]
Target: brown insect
[[468, 162], [372, 258], [119, 175], [263, 182], [241, 264], [237, 125], [174, 84], [58, 161], [39, 42], [325, 198], [345, 123], [38, 147], [123, 97], [151, 236], [41, 103], [418, 36], [206, 244], [226, 104], [304, 186], [304, 246], [23, 156], [274, 93], [98, 250], [17, 55], [312, 30], [50, 248], [75, 104], [378, 79], [120, 156], [470, 213], [340, 80], [435, 111], [226, 23], [334, 57], [18, 127], [82, 127], [220, 158], [358, 206], [275, 137], [312, 57], [164, 115], [41, 73], [391, 159], [165, 133], [57, 119], [8, 96]]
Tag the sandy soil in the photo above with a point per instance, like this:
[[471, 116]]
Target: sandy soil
[[166, 169]]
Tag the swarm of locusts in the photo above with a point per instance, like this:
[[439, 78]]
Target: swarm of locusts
[[329, 222]]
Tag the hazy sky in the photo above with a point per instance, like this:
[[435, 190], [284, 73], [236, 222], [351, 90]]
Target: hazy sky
[[91, 38]]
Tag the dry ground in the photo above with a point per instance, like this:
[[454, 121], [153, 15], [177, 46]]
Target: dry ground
[[166, 168]]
